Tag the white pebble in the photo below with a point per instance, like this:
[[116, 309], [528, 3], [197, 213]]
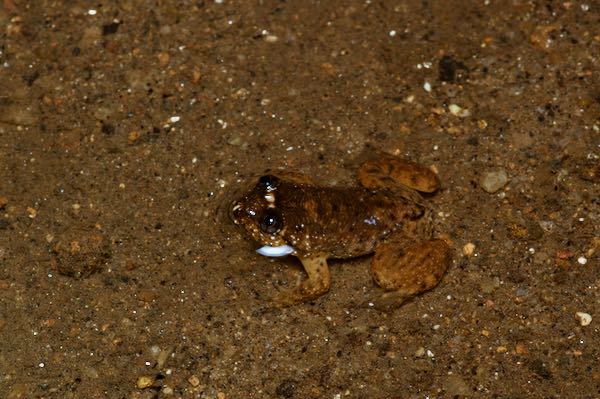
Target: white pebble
[[457, 110], [92, 12], [427, 87], [582, 260], [392, 33], [584, 318], [175, 119]]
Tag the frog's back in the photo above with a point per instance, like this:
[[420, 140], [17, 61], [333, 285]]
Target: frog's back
[[340, 222]]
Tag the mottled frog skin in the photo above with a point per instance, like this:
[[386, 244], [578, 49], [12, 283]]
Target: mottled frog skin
[[384, 215]]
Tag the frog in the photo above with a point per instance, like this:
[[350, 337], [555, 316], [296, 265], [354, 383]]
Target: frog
[[384, 214]]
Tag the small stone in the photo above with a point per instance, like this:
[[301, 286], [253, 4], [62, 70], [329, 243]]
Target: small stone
[[163, 356], [32, 212], [521, 349], [194, 380], [241, 93], [584, 318], [271, 39], [564, 254], [581, 260], [469, 249], [494, 181], [145, 381], [133, 136], [163, 58], [457, 110], [235, 141]]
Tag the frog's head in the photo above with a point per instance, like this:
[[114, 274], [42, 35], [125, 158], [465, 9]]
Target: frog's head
[[256, 212]]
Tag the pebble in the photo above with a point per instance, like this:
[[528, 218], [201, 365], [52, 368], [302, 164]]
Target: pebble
[[457, 110], [494, 180], [194, 380], [32, 212], [236, 141], [145, 381], [584, 318], [581, 260], [420, 352], [133, 136], [163, 356], [469, 249]]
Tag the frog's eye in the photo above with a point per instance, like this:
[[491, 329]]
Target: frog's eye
[[268, 182], [271, 222]]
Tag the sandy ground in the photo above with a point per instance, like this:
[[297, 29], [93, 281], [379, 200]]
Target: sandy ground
[[127, 126]]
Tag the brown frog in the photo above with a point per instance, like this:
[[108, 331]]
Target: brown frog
[[289, 215]]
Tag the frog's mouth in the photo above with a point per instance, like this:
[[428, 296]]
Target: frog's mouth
[[281, 250]]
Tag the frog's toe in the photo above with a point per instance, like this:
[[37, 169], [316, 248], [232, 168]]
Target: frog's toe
[[314, 286], [408, 272], [389, 301], [390, 171], [305, 292]]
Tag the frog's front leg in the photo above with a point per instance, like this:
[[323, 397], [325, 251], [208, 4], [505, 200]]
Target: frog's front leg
[[405, 267], [314, 286]]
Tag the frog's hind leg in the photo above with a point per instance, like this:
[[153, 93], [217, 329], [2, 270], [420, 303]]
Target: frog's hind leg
[[406, 268], [388, 171], [317, 284]]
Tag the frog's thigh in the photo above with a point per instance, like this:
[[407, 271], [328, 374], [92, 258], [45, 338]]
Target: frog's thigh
[[406, 268], [315, 285], [388, 171]]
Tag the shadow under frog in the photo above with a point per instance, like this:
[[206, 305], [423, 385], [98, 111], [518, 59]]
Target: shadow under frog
[[289, 215]]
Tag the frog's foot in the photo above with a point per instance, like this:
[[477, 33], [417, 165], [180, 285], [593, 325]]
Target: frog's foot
[[389, 172], [406, 268], [317, 284]]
